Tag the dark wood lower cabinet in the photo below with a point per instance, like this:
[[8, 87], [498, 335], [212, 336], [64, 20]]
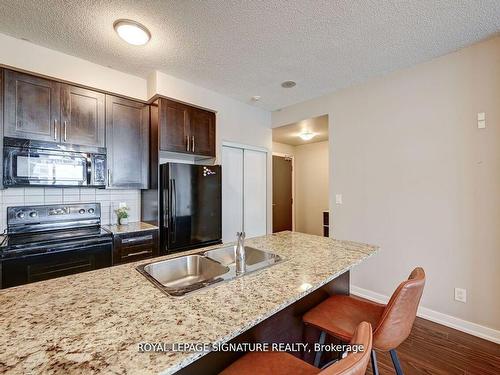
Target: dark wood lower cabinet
[[283, 327], [129, 247]]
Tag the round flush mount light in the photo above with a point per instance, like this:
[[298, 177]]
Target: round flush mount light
[[255, 98], [288, 84], [306, 136], [132, 32]]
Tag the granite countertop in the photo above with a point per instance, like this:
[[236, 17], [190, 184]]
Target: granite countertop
[[138, 226], [94, 321]]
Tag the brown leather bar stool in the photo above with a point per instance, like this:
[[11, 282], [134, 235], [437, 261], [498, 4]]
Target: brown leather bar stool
[[279, 363], [339, 316]]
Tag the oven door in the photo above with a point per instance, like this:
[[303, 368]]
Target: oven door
[[40, 167], [59, 261]]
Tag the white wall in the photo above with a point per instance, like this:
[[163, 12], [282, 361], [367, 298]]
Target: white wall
[[282, 148], [420, 179], [237, 122], [20, 54], [311, 187], [108, 198], [28, 56], [310, 184]]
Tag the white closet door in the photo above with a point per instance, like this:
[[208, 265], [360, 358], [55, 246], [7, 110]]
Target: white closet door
[[232, 192], [254, 193]]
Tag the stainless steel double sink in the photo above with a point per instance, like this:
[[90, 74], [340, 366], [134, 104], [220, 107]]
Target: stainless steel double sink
[[180, 276]]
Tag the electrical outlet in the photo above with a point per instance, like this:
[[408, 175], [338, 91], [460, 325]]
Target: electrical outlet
[[461, 295]]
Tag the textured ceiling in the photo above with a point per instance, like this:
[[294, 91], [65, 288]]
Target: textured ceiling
[[248, 47], [289, 134]]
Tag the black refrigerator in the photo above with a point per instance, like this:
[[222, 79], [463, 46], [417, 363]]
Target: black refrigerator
[[190, 206]]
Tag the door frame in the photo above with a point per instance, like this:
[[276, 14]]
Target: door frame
[[283, 155]]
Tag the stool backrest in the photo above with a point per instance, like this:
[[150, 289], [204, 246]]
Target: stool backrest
[[356, 362], [399, 314]]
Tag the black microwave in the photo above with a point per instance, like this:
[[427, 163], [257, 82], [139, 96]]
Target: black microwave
[[36, 163]]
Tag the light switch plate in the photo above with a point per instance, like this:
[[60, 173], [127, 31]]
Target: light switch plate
[[481, 124], [481, 116], [338, 198]]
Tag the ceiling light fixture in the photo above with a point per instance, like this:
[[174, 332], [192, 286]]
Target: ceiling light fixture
[[132, 32], [306, 135], [255, 98], [288, 84]]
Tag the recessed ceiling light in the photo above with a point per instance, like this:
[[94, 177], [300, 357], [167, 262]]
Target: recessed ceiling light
[[288, 84], [132, 32], [306, 136]]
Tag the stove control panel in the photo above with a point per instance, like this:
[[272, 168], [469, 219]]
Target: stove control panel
[[33, 217], [59, 211]]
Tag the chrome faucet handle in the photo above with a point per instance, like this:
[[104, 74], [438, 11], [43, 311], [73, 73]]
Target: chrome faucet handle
[[240, 253]]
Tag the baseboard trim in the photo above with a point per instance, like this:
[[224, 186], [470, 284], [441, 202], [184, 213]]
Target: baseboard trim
[[474, 329]]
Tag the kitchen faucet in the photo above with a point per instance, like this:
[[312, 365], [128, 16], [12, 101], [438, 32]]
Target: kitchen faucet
[[240, 253]]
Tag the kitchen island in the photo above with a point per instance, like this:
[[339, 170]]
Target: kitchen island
[[95, 321]]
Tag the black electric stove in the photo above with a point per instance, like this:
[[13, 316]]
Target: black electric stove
[[44, 242]]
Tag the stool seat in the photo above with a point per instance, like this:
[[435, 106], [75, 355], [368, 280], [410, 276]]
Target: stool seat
[[280, 363], [340, 315], [270, 363]]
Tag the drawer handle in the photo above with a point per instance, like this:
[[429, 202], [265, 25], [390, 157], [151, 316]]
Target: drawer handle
[[136, 254], [138, 239]]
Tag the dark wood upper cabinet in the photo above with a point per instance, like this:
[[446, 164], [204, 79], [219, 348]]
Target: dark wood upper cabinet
[[174, 126], [82, 116], [127, 142], [41, 109], [202, 132], [32, 107], [186, 129]]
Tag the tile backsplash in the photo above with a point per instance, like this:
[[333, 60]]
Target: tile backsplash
[[108, 198]]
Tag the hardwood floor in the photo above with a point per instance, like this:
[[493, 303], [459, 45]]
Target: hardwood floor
[[436, 349]]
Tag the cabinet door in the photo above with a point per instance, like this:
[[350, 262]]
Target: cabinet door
[[32, 107], [134, 246], [202, 132], [232, 193], [255, 194], [127, 140], [82, 116], [174, 123]]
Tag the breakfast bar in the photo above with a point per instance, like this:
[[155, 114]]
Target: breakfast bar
[[102, 320]]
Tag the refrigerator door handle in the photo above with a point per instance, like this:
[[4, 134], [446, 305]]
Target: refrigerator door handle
[[174, 211], [165, 208]]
